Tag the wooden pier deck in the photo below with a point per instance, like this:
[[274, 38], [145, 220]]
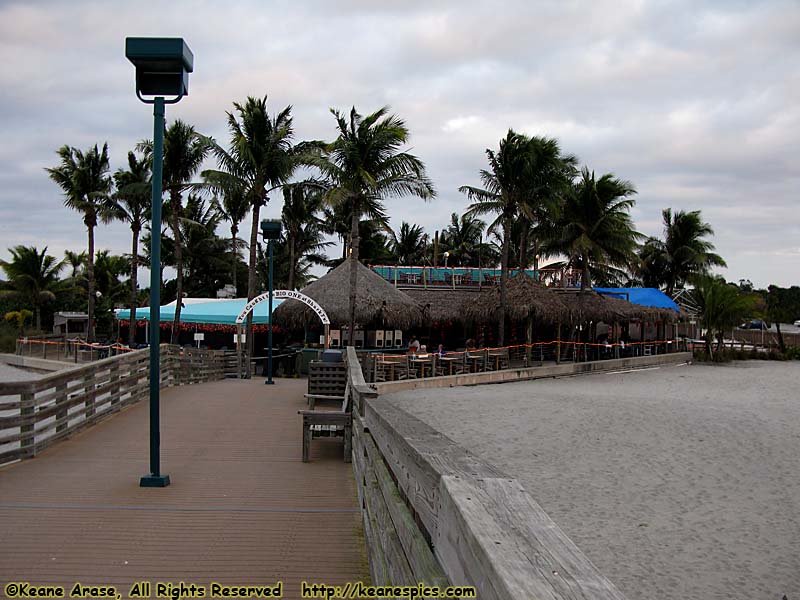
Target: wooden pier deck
[[242, 507]]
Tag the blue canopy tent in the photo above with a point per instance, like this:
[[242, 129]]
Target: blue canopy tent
[[641, 296], [206, 310]]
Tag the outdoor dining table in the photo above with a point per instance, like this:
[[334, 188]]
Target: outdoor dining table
[[476, 358], [391, 364], [451, 360], [496, 355], [422, 362]]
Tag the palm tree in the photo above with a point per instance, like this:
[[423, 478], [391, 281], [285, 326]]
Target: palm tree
[[409, 244], [184, 153], [551, 174], [76, 261], [302, 229], [463, 239], [260, 158], [683, 253], [233, 208], [133, 200], [84, 179], [364, 166], [596, 231], [721, 306], [506, 187], [32, 277], [338, 221]]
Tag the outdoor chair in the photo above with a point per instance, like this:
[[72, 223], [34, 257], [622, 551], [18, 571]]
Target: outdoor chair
[[454, 363], [476, 360], [391, 367], [420, 367], [497, 359]]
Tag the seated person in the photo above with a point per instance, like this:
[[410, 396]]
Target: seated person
[[440, 350]]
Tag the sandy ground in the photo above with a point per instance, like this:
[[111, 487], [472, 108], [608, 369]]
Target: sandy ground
[[678, 483], [9, 373]]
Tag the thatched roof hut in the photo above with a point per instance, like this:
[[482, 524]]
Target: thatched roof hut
[[588, 305], [445, 304], [377, 300], [524, 297]]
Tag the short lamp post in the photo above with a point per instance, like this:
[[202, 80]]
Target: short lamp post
[[162, 69], [271, 230]]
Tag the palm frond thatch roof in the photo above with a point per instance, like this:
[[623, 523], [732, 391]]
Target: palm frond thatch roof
[[377, 300], [441, 303], [524, 297], [588, 305]]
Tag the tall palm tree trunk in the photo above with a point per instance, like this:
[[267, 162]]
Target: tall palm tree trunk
[[354, 242], [90, 279], [134, 285], [504, 280], [523, 247], [586, 276], [292, 265], [176, 232], [251, 285], [234, 232]]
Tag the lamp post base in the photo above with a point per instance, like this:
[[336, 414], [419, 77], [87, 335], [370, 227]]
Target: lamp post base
[[154, 481]]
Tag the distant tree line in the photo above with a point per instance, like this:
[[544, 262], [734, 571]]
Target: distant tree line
[[539, 205]]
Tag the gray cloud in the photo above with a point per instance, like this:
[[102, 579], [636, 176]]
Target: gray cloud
[[696, 103]]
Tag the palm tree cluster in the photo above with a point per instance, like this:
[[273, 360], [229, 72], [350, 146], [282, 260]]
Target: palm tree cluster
[[538, 203]]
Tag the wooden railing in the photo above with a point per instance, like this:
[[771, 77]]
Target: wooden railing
[[435, 513], [37, 413]]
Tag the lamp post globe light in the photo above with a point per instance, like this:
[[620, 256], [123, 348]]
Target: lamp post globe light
[[271, 231], [162, 70]]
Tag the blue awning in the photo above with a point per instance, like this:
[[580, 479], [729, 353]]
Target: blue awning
[[641, 296], [196, 310]]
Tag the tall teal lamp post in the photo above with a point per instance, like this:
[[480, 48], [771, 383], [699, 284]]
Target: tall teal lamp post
[[162, 70], [271, 231]]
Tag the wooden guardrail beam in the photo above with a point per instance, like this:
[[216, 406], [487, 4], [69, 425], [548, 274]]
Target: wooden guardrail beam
[[41, 411]]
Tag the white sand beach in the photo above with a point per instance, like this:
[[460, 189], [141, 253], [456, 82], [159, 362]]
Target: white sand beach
[[679, 483], [9, 373]]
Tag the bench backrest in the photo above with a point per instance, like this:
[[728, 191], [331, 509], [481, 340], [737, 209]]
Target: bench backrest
[[327, 378]]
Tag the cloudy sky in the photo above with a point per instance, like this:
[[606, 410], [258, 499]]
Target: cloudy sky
[[697, 103]]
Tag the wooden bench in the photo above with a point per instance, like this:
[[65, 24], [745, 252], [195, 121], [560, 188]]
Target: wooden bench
[[328, 423], [326, 381]]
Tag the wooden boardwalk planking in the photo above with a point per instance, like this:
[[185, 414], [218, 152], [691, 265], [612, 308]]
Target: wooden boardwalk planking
[[242, 507]]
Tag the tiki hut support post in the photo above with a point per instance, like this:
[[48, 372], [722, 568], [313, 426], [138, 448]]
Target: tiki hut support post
[[558, 342], [326, 343], [641, 336], [528, 339]]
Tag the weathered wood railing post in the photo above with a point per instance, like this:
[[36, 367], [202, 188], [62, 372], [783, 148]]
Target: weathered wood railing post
[[88, 390], [61, 415], [113, 379], [27, 413]]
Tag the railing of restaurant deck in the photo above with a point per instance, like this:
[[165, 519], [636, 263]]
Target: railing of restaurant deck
[[75, 350], [392, 366], [456, 277], [435, 514], [37, 413]]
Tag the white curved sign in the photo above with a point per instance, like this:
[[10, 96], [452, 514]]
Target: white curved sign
[[284, 295]]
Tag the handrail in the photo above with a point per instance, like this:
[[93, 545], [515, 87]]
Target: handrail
[[39, 412]]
